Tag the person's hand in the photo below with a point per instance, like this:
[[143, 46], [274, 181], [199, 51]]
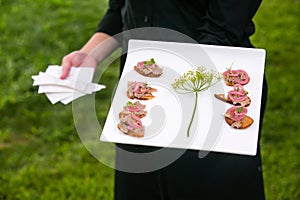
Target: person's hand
[[76, 59]]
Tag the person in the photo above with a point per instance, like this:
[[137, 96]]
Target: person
[[217, 22]]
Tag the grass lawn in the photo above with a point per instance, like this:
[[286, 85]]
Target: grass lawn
[[41, 154]]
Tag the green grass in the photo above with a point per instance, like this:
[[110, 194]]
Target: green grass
[[278, 31], [41, 156]]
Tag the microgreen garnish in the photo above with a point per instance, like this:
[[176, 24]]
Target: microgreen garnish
[[193, 82], [150, 62], [240, 109], [230, 67]]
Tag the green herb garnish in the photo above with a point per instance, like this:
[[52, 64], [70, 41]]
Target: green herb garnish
[[240, 109], [193, 82], [150, 62], [130, 104]]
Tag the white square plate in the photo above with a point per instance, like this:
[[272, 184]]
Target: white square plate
[[169, 113]]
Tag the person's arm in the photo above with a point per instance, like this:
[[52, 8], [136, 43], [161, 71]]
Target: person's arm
[[228, 22], [100, 45]]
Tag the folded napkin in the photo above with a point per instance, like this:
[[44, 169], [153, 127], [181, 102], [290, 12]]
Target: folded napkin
[[77, 84]]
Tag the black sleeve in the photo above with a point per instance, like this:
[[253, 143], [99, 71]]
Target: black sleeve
[[111, 23], [228, 22]]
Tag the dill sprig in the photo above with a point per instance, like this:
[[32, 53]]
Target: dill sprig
[[195, 81]]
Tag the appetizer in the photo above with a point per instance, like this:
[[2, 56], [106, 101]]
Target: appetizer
[[140, 90], [131, 125], [135, 108], [237, 96], [148, 68], [236, 117], [233, 77], [130, 116]]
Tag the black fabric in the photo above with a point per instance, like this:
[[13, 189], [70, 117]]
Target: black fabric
[[223, 22], [111, 23], [218, 175]]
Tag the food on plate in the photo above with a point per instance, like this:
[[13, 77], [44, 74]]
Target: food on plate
[[135, 108], [131, 125], [238, 76], [237, 96], [236, 117], [140, 90], [148, 68], [130, 117]]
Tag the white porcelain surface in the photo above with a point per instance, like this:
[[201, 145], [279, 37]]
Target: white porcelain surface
[[172, 111]]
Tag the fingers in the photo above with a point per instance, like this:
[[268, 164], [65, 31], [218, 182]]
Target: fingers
[[73, 59], [66, 67]]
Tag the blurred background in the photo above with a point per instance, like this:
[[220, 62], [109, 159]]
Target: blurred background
[[41, 155]]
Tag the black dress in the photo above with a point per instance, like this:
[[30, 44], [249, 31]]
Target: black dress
[[218, 175]]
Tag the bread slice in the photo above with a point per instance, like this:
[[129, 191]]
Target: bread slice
[[122, 114], [146, 96], [222, 97], [147, 75], [131, 133], [247, 122], [135, 108]]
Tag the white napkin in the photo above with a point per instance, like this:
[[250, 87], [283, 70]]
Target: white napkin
[[77, 84]]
